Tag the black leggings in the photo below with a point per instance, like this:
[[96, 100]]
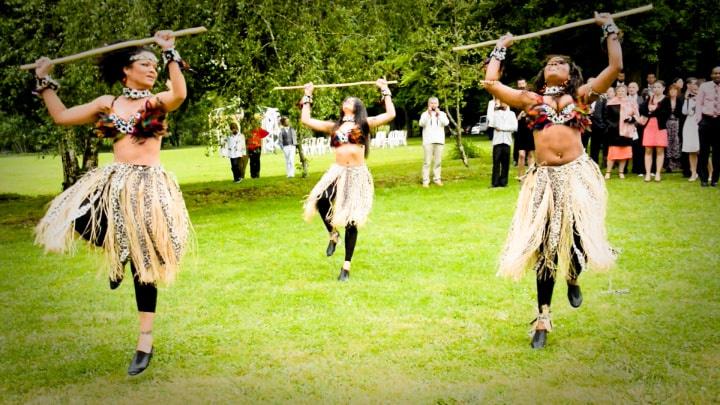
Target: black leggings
[[545, 278], [351, 232], [145, 294]]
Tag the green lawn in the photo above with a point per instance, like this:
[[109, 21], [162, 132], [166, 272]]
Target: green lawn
[[257, 315]]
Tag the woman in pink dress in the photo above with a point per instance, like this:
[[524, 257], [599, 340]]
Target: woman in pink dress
[[655, 138]]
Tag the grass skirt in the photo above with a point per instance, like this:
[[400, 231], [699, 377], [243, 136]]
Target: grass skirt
[[354, 191], [555, 202], [139, 210]]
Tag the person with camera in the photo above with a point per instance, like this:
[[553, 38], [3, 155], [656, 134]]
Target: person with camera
[[433, 122]]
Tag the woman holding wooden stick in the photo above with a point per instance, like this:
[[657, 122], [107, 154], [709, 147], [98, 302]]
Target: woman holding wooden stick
[[132, 208], [559, 224], [344, 194]]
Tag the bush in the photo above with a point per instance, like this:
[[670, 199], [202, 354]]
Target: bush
[[471, 150]]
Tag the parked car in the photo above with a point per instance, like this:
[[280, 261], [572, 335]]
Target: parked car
[[480, 127]]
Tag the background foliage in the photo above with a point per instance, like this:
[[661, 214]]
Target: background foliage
[[252, 46]]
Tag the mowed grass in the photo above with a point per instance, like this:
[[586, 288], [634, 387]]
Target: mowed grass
[[257, 316]]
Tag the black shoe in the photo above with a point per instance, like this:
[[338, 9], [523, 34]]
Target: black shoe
[[574, 295], [704, 184], [539, 339], [344, 275], [331, 246], [140, 362], [115, 284], [713, 184]]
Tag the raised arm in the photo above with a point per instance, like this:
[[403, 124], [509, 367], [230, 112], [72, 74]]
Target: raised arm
[[305, 115], [77, 115], [515, 98], [172, 99], [389, 113], [605, 79]]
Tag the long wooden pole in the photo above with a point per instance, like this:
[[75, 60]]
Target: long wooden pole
[[553, 30], [113, 47], [320, 86]]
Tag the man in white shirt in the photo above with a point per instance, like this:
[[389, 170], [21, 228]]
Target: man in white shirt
[[505, 122], [234, 148], [433, 122]]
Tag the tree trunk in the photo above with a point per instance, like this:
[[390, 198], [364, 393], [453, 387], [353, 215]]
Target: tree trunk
[[458, 133], [303, 160], [408, 123], [90, 154], [66, 148]]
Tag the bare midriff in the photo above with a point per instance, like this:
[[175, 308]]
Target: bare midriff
[[350, 154], [557, 145], [145, 152]]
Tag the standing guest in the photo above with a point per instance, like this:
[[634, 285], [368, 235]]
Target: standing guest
[[598, 136], [707, 115], [288, 138], [672, 104], [620, 81], [524, 143], [433, 122], [344, 194], [638, 151], [620, 115], [691, 139], [234, 149], [254, 145], [647, 92], [521, 85], [489, 113], [559, 224], [632, 90], [679, 83], [505, 123], [655, 138], [132, 208]]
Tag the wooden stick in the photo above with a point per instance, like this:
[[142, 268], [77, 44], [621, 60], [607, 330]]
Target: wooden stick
[[119, 45], [321, 86], [555, 29]]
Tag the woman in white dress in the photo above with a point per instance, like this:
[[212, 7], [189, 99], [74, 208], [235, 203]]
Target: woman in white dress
[[691, 139]]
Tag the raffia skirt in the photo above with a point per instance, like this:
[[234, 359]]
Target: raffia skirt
[[555, 203], [354, 192], [134, 212]]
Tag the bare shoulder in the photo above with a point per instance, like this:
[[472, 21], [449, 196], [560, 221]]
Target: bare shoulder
[[104, 102]]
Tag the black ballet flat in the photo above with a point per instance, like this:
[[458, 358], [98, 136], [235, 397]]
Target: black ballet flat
[[541, 326], [344, 275], [140, 362], [115, 284], [331, 246], [574, 295], [539, 339]]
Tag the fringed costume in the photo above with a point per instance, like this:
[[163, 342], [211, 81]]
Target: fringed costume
[[351, 190], [134, 212], [559, 223], [343, 197]]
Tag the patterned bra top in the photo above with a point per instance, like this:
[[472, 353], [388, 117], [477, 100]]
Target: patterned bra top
[[146, 123], [574, 115], [353, 135]]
